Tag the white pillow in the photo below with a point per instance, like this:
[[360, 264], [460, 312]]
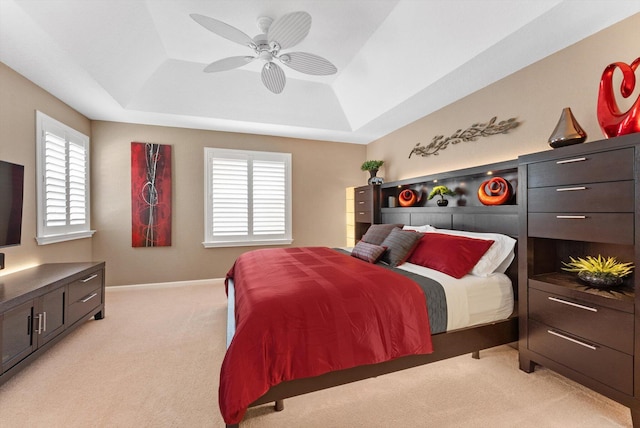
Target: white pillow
[[497, 258], [421, 229], [502, 268]]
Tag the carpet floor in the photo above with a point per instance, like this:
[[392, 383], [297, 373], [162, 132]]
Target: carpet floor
[[154, 361]]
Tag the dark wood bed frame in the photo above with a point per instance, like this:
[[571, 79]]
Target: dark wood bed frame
[[499, 219]]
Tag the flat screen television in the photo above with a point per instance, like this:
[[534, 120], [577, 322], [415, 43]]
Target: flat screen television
[[11, 195]]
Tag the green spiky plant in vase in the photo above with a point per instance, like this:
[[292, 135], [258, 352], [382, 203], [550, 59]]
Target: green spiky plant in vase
[[372, 166], [441, 191], [599, 271]]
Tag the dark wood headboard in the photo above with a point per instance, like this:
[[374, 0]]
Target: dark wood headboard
[[465, 211]]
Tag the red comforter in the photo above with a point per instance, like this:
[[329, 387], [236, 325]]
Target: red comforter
[[302, 312]]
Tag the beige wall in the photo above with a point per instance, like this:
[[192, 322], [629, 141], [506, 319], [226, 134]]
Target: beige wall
[[19, 99], [320, 171], [535, 95]]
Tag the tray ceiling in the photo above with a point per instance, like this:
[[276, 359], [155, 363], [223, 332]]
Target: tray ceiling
[[142, 61]]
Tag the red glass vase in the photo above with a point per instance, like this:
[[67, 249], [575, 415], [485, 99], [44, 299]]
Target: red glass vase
[[612, 121]]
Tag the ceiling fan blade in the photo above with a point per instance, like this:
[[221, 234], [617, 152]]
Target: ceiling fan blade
[[273, 77], [290, 30], [308, 63], [223, 30], [228, 63]]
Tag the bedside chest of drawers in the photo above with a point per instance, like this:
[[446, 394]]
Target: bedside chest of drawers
[[581, 201], [367, 208]]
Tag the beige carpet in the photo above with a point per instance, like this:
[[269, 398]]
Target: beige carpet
[[154, 361]]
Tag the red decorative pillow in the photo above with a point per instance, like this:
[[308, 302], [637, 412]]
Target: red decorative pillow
[[450, 254], [367, 252]]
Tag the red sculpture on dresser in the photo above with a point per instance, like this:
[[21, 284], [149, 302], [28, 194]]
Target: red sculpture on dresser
[[612, 121]]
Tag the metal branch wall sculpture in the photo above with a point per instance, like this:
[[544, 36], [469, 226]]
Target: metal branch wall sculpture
[[472, 133]]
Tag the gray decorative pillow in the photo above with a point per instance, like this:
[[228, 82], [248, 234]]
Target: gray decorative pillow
[[399, 245], [367, 252], [378, 233]]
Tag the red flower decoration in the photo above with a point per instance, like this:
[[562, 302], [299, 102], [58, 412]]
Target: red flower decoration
[[499, 191]]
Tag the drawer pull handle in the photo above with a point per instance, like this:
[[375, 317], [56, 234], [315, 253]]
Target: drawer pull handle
[[361, 202], [361, 192], [574, 217], [42, 323], [361, 213], [89, 298], [90, 278], [571, 161], [576, 305], [570, 339], [571, 189]]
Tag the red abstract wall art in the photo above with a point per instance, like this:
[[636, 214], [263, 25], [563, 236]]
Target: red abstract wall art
[[150, 195]]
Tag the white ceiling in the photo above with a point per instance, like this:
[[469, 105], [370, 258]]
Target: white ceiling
[[141, 61]]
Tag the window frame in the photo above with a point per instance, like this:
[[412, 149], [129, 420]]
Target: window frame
[[46, 234], [211, 241]]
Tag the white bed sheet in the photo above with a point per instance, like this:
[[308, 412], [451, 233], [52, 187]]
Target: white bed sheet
[[471, 300]]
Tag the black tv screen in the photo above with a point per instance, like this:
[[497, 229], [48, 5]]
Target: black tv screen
[[11, 194]]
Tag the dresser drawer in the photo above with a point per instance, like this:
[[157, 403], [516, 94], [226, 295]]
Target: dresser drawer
[[614, 165], [610, 228], [364, 205], [363, 195], [82, 287], [364, 216], [593, 322], [597, 197], [606, 365], [82, 306]]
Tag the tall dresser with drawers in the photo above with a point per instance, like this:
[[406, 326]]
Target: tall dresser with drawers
[[579, 201], [367, 208]]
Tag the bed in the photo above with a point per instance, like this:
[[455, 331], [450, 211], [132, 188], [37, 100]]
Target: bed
[[483, 323]]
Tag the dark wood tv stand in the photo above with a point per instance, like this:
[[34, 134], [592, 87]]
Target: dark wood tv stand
[[41, 305]]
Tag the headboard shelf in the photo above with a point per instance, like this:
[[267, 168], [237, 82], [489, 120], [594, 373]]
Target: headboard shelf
[[465, 211], [482, 209], [465, 182], [498, 168]]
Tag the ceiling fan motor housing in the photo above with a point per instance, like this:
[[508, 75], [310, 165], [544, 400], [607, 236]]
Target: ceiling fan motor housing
[[264, 23], [266, 51]]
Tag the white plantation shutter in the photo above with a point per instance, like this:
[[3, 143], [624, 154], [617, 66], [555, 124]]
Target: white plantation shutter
[[248, 198], [230, 197], [268, 198], [55, 180], [77, 196], [63, 184]]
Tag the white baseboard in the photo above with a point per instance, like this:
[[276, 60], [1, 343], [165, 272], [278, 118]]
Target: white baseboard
[[165, 284]]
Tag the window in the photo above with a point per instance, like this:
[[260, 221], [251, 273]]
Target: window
[[248, 198], [62, 159]]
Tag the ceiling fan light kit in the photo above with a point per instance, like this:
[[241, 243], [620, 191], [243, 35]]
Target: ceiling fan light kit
[[283, 33]]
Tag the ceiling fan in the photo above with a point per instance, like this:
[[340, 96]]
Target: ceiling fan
[[284, 33]]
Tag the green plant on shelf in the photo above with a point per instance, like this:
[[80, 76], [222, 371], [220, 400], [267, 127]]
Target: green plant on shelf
[[441, 191], [599, 267]]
